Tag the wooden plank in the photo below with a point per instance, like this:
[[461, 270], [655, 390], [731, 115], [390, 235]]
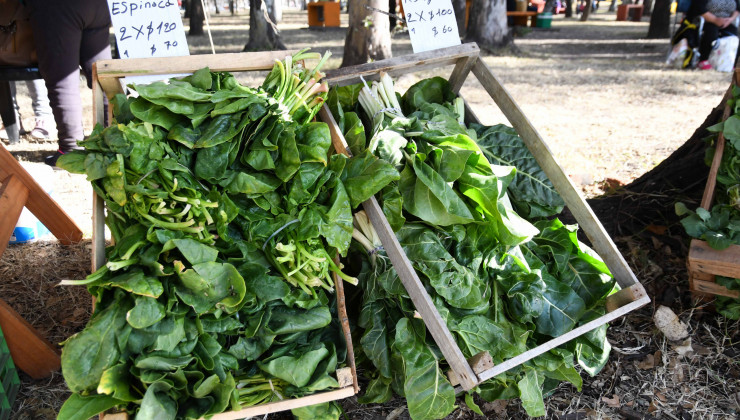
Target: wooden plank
[[461, 71], [555, 342], [234, 62], [625, 296], [705, 259], [708, 196], [481, 362], [583, 214], [274, 407], [418, 294], [344, 322], [31, 352], [401, 65], [13, 195], [41, 204], [712, 288]]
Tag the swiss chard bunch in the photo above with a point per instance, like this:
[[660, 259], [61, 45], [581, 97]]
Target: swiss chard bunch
[[226, 215], [501, 283]]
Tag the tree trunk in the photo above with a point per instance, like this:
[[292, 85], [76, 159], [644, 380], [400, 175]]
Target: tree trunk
[[647, 7], [487, 25], [587, 10], [549, 7], [459, 7], [569, 8], [197, 16], [365, 42], [660, 21], [650, 199], [263, 33]]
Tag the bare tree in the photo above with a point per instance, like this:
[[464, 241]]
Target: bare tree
[[197, 16], [368, 36], [588, 5], [263, 33], [487, 25], [660, 20]]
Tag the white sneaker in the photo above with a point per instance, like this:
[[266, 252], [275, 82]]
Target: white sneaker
[[3, 133], [42, 131]]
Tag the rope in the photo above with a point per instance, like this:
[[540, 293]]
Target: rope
[[278, 231], [208, 25]]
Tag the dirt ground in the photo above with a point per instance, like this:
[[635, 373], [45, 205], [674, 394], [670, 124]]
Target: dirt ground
[[600, 95]]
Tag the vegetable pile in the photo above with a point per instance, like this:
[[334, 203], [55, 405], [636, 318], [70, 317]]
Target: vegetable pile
[[720, 226], [474, 213], [227, 212]]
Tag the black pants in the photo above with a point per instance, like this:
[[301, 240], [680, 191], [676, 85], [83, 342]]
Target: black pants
[[69, 34], [710, 34]]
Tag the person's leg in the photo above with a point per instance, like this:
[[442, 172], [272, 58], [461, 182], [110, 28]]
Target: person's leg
[[58, 32], [710, 34], [4, 134], [45, 127], [95, 43]]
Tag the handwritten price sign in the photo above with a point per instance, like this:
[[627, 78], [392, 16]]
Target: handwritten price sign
[[431, 24], [148, 28]]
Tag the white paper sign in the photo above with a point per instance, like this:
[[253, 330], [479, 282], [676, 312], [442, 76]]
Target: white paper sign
[[431, 24], [148, 28]]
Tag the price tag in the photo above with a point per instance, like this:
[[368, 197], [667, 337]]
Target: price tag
[[431, 24], [148, 28]]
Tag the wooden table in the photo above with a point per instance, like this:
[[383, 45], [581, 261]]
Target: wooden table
[[520, 18]]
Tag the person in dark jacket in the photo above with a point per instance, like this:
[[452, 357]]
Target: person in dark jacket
[[719, 16], [69, 34]]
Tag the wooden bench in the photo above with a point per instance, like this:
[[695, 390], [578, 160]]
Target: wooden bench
[[7, 113], [520, 18], [623, 11]]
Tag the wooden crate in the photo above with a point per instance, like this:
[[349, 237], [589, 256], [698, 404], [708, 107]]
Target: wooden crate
[[108, 80], [465, 59], [704, 262]]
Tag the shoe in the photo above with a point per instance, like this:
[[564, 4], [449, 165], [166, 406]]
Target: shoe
[[52, 160], [704, 65], [42, 130]]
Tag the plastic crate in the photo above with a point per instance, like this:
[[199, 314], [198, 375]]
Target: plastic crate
[[9, 379]]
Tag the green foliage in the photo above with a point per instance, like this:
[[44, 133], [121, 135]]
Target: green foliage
[[226, 211], [502, 283]]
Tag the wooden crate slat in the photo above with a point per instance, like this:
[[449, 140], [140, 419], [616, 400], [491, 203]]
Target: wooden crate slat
[[705, 259], [583, 214], [630, 298], [108, 74], [555, 342], [233, 62], [31, 352], [12, 196], [422, 301], [401, 65]]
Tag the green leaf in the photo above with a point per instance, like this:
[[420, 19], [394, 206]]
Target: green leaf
[[472, 405], [78, 407], [323, 411], [428, 393], [530, 392], [146, 312], [295, 369], [428, 197], [157, 404], [116, 383], [378, 391], [87, 354], [365, 175]]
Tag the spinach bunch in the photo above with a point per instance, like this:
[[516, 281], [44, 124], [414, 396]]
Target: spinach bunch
[[502, 284], [226, 214]]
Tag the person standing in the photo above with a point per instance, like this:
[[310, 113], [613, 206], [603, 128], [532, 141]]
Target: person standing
[[44, 126], [69, 34]]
